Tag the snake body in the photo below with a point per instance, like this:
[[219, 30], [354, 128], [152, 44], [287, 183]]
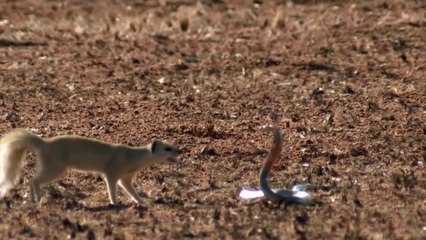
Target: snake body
[[282, 195]]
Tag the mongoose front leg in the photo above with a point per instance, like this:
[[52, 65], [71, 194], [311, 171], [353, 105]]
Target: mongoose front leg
[[126, 184], [111, 182]]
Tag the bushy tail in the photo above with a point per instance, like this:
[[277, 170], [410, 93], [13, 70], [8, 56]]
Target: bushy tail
[[13, 145]]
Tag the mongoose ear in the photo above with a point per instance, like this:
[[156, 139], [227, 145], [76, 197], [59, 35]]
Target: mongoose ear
[[154, 146]]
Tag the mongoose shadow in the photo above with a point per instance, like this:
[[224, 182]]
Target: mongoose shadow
[[13, 43], [109, 207], [139, 207]]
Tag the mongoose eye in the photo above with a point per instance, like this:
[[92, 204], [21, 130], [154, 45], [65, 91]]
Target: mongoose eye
[[168, 149]]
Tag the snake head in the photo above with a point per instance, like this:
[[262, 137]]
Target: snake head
[[278, 136]]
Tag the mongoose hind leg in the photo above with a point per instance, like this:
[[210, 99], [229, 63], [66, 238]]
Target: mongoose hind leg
[[45, 174]]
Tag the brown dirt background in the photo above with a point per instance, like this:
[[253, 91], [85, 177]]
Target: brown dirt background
[[345, 80]]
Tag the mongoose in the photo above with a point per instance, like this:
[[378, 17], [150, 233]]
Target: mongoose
[[118, 163]]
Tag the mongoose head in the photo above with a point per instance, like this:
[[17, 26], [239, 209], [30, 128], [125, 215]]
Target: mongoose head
[[165, 152]]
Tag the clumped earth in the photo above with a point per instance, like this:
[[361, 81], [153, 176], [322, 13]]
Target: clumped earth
[[344, 80]]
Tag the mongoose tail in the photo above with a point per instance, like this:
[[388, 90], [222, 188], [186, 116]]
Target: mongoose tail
[[12, 149]]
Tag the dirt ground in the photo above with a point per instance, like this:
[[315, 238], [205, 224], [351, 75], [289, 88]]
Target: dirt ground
[[344, 80]]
